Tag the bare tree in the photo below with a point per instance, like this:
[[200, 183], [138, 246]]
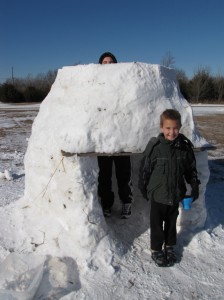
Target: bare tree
[[168, 60], [183, 83], [202, 85], [219, 87]]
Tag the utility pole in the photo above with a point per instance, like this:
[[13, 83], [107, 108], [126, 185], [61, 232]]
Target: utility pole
[[12, 76]]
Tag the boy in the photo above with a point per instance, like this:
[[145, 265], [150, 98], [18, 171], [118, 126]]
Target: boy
[[168, 161]]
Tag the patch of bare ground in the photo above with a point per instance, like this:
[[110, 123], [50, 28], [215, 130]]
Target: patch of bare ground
[[211, 128], [15, 123], [2, 133]]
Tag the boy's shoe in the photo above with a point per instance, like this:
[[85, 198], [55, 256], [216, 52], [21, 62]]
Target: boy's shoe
[[159, 258], [107, 212], [170, 255], [126, 211]]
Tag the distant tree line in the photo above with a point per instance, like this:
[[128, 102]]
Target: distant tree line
[[29, 89], [201, 88]]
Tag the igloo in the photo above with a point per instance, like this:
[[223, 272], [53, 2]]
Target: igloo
[[93, 110]]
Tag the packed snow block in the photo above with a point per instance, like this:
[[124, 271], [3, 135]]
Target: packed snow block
[[101, 109], [20, 276], [110, 108], [62, 215]]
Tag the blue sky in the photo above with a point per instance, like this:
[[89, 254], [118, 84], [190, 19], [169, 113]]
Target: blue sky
[[42, 35]]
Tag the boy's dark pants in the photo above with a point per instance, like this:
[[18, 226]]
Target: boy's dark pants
[[163, 219], [123, 175]]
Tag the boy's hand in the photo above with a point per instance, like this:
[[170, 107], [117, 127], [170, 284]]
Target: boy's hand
[[195, 189], [144, 194], [195, 193]]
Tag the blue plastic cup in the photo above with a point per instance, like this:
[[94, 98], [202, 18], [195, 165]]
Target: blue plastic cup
[[186, 202]]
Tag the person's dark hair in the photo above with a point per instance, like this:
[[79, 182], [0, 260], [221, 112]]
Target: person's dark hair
[[107, 54], [170, 114]]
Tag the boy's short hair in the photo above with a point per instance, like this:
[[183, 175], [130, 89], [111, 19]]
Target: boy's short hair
[[170, 114]]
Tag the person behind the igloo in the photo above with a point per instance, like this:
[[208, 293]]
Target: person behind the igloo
[[122, 166]]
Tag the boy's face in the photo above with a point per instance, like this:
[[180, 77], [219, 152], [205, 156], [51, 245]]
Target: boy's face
[[170, 129]]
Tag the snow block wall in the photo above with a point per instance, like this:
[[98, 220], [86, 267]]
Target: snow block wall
[[91, 109], [115, 108]]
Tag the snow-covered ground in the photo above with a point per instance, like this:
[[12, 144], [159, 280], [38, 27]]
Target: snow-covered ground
[[198, 275], [207, 109]]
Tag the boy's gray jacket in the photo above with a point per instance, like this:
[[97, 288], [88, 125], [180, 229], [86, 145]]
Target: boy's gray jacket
[[165, 167]]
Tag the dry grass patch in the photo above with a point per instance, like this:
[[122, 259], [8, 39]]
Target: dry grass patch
[[211, 128]]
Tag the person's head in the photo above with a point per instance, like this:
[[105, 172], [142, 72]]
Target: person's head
[[107, 58], [170, 123]]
